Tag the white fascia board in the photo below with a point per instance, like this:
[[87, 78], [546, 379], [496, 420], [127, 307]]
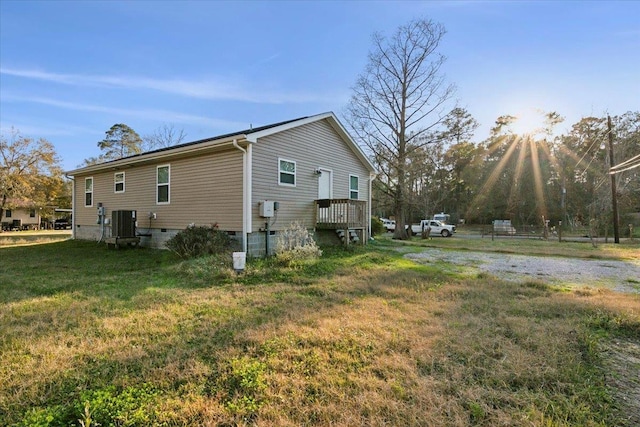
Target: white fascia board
[[335, 123], [156, 156], [355, 147], [253, 136]]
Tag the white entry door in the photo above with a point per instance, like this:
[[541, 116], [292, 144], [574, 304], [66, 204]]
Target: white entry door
[[325, 184]]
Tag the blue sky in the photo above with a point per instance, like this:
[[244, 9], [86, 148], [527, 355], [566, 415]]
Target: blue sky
[[70, 70]]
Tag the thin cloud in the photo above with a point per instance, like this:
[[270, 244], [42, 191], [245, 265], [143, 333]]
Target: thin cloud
[[30, 130], [149, 114], [203, 89]]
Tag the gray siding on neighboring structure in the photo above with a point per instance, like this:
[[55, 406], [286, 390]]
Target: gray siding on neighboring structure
[[311, 146]]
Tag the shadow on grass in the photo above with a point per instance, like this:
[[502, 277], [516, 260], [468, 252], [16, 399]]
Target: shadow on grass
[[121, 318], [143, 323], [81, 267]]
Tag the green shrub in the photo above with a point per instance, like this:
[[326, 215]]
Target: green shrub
[[377, 227], [130, 407], [242, 384], [53, 416], [196, 241], [295, 245]]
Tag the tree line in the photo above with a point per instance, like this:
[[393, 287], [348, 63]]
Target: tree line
[[429, 162]]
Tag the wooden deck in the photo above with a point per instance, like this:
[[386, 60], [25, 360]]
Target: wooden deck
[[341, 214]]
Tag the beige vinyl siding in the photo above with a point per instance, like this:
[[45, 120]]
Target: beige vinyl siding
[[311, 146], [203, 190]]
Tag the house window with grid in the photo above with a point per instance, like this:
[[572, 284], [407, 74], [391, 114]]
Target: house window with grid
[[118, 182], [287, 172], [163, 183], [32, 213], [7, 213], [88, 192], [354, 191]]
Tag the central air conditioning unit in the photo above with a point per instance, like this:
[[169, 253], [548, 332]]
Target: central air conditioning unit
[[123, 224]]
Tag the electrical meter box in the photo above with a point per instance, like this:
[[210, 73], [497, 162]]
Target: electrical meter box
[[266, 208]]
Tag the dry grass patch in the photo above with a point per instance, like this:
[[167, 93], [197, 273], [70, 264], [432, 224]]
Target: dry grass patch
[[357, 338]]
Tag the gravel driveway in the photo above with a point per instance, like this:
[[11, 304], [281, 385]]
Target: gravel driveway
[[621, 276]]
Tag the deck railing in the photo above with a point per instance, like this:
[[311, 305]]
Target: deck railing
[[334, 214]]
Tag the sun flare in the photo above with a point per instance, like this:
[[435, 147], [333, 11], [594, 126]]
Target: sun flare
[[529, 121]]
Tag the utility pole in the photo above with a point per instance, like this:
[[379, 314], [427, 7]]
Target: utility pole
[[614, 198]]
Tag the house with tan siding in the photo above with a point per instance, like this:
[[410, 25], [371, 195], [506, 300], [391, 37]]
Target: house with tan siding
[[252, 184], [21, 216]]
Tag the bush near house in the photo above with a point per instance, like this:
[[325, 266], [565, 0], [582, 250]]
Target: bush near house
[[197, 241], [295, 246], [377, 226]]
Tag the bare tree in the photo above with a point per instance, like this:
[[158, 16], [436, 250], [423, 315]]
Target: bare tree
[[398, 102], [164, 136]]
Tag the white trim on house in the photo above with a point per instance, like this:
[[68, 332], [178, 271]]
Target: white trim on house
[[190, 149], [168, 184], [329, 173], [73, 208], [281, 171], [249, 195], [357, 190], [332, 119], [116, 182], [208, 145], [87, 192], [246, 192]]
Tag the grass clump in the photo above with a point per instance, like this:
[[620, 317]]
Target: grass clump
[[240, 384], [196, 241]]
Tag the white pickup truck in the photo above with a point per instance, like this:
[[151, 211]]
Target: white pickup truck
[[437, 227]]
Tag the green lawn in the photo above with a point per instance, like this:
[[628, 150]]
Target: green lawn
[[138, 337]]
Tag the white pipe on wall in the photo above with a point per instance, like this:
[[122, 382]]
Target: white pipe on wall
[[245, 186]]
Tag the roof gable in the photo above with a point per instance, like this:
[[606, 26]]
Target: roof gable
[[252, 135]]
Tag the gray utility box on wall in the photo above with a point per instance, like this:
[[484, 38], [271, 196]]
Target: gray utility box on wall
[[123, 224]]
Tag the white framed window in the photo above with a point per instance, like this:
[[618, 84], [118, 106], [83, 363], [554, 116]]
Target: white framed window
[[354, 187], [163, 184], [88, 192], [286, 172], [118, 182], [32, 213], [8, 213]]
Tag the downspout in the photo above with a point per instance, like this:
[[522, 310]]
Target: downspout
[[371, 178], [249, 194], [73, 205], [245, 186]]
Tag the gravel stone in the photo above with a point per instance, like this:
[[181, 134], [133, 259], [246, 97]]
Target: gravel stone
[[620, 276]]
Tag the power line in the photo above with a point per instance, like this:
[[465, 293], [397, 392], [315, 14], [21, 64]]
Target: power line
[[631, 163]]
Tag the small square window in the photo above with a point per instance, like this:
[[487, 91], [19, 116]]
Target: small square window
[[118, 182], [287, 172]]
